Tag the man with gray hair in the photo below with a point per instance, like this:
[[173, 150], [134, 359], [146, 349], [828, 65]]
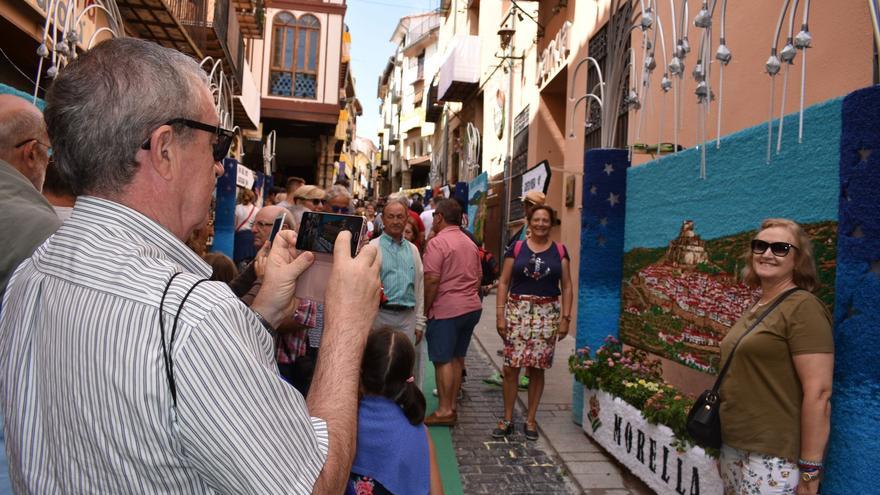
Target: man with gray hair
[[403, 307], [28, 219], [168, 383]]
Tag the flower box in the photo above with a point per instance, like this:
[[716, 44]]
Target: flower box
[[650, 451]]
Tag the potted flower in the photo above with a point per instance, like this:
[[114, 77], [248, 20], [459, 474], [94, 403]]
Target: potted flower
[[640, 419]]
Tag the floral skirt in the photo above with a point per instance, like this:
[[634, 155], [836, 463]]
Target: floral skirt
[[751, 473], [532, 324]]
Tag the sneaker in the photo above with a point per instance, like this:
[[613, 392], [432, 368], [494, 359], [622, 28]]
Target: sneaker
[[504, 429], [530, 434], [523, 383], [494, 379]]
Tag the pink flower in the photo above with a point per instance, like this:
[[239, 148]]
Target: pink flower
[[610, 363], [616, 355], [363, 487]]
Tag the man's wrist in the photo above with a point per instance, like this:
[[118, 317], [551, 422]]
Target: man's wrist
[[272, 316], [268, 326]]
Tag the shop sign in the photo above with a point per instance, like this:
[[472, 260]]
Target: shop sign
[[536, 178], [648, 451], [244, 177], [554, 56]]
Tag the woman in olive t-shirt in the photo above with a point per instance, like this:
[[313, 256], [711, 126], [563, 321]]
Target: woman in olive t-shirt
[[775, 398]]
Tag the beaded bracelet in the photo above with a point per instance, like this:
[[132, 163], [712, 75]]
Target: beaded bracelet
[[809, 465]]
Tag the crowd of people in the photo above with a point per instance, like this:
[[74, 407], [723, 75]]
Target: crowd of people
[[131, 359]]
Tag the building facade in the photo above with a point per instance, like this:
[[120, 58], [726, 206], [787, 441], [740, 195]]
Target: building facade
[[280, 70]]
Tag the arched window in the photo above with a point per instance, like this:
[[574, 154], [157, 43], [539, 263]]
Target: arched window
[[294, 68]]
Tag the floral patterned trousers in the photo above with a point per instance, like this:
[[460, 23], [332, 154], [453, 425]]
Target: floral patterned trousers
[[751, 473]]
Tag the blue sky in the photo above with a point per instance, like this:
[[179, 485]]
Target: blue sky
[[371, 23]]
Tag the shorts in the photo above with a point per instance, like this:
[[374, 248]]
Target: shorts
[[747, 473], [449, 338]]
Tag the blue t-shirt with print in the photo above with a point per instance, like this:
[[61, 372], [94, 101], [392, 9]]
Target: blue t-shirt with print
[[536, 274]]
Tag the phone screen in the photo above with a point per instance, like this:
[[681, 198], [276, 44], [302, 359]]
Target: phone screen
[[318, 231], [276, 226]]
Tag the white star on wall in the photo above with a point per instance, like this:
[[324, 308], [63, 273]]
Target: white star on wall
[[593, 190], [613, 199], [604, 221], [864, 153], [609, 168]]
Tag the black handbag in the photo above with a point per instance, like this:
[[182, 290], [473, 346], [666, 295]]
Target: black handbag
[[704, 420]]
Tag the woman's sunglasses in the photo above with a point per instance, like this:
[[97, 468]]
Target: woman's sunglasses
[[780, 249]]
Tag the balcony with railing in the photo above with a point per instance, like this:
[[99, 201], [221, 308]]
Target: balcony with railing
[[197, 27], [421, 34], [251, 15], [460, 72]]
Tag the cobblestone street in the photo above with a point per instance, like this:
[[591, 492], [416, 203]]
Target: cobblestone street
[[512, 466]]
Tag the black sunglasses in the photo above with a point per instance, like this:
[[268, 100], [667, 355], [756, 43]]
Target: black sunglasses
[[224, 136], [780, 249], [340, 209]]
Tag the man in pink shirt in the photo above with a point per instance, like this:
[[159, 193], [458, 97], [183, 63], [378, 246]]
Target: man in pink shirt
[[452, 304]]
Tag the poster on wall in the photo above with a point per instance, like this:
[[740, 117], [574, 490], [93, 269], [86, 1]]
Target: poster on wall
[[679, 301], [478, 190]]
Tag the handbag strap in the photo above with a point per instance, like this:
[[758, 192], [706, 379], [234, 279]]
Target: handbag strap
[[751, 327]]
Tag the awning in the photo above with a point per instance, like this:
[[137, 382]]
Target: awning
[[424, 160]]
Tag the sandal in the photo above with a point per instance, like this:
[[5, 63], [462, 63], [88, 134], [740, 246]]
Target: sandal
[[531, 434], [436, 420], [504, 429]]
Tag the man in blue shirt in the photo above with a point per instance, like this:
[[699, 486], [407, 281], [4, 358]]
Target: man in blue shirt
[[402, 277]]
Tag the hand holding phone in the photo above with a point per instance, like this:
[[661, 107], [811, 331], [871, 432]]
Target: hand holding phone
[[275, 299], [318, 233]]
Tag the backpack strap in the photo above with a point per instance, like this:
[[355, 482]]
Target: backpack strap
[[517, 247], [561, 249]]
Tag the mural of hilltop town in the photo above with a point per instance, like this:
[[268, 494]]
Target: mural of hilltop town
[[679, 301]]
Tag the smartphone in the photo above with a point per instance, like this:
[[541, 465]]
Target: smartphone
[[276, 226], [317, 233]]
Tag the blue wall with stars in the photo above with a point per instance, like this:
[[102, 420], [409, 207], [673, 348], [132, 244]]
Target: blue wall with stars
[[853, 454], [601, 256]]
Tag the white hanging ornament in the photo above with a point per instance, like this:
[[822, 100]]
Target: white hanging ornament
[[788, 53], [703, 19], [665, 83], [773, 64], [722, 54]]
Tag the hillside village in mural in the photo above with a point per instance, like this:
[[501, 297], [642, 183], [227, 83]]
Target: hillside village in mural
[[678, 302]]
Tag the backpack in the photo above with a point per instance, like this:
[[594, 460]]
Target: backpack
[[489, 266], [518, 247]]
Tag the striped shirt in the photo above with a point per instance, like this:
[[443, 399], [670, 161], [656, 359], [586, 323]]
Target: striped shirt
[[398, 271], [87, 402]]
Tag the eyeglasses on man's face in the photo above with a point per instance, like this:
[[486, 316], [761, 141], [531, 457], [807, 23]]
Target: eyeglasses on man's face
[[340, 209], [779, 249], [263, 225], [223, 136]]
